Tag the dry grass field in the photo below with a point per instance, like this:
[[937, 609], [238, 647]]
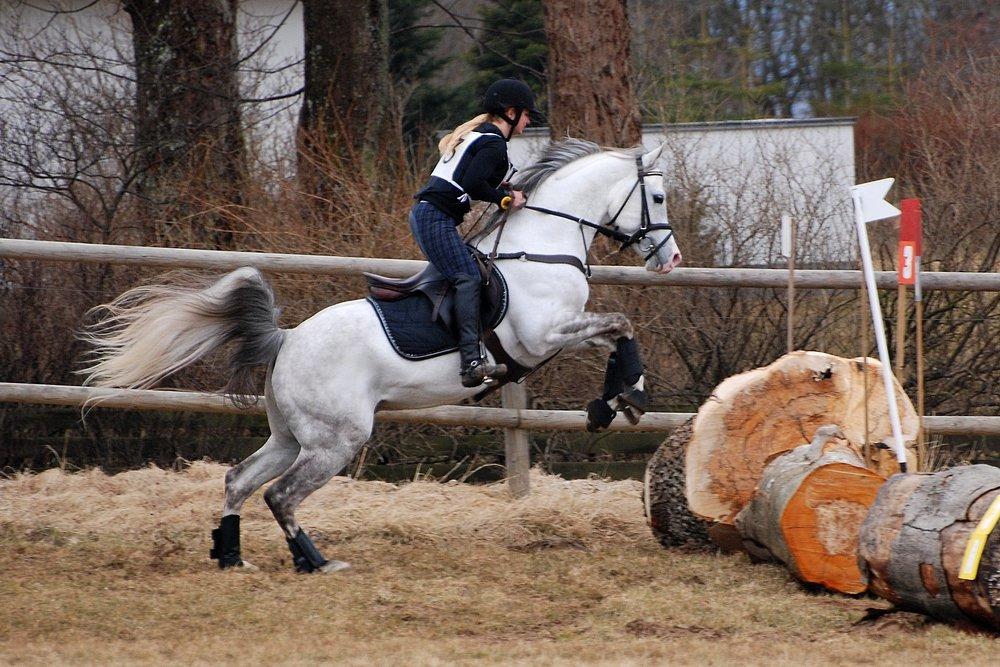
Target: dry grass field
[[115, 569]]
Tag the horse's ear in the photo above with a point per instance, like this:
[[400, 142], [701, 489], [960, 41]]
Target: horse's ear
[[649, 159]]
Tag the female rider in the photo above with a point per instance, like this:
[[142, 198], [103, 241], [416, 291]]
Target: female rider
[[473, 165]]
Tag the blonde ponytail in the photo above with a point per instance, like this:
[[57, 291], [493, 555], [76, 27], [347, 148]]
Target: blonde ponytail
[[448, 143]]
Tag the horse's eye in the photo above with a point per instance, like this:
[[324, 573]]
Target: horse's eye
[[657, 199]]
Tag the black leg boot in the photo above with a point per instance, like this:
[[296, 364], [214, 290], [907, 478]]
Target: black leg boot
[[600, 414], [633, 401], [475, 368], [226, 542], [307, 558], [305, 555]]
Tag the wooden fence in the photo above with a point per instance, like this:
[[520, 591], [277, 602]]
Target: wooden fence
[[514, 418]]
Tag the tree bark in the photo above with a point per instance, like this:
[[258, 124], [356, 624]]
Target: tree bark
[[914, 538], [188, 132], [346, 79], [755, 416], [808, 510], [590, 84], [671, 521]]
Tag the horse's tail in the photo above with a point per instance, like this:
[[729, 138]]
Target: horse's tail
[[151, 332]]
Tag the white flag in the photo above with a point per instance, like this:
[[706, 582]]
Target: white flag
[[870, 200]]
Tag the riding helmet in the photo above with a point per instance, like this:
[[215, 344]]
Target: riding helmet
[[509, 93]]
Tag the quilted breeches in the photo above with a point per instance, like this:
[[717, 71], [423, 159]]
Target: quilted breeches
[[437, 236]]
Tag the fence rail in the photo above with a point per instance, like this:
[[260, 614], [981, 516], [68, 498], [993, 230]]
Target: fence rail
[[513, 418], [59, 251], [449, 415]]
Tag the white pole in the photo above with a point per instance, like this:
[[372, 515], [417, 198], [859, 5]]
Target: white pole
[[877, 324]]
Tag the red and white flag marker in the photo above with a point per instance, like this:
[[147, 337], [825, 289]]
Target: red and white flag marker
[[910, 251], [870, 206]]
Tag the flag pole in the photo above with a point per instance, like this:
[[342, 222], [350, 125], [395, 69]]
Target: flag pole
[[788, 249], [901, 332], [858, 194], [919, 303], [863, 338]]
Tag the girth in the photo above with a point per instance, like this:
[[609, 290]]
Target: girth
[[572, 260], [516, 371]]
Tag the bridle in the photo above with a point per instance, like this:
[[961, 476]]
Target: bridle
[[610, 229]]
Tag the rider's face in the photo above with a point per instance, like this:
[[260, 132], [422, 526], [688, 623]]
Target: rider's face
[[522, 122]]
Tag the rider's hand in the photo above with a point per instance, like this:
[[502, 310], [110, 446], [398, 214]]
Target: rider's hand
[[519, 199]]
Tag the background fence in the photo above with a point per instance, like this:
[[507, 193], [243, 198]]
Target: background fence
[[514, 417]]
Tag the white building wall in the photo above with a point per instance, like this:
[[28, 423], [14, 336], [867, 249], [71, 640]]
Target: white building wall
[[745, 174]]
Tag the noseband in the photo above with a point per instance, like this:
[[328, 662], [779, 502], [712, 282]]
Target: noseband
[[610, 229]]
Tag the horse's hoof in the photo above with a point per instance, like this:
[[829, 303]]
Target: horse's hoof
[[333, 566], [632, 415], [634, 400], [243, 567], [599, 415]]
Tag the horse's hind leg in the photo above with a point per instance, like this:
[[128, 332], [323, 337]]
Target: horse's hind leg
[[326, 450], [242, 480]]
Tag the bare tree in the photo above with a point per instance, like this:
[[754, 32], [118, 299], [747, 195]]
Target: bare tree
[[590, 73], [187, 116], [346, 76]]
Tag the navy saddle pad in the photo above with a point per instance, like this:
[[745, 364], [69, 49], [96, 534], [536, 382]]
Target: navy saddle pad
[[413, 333]]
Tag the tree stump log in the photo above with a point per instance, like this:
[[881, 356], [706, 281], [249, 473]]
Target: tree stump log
[[753, 417], [808, 510], [914, 537], [667, 512]]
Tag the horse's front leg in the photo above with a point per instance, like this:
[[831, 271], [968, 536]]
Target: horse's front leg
[[590, 329], [624, 385]]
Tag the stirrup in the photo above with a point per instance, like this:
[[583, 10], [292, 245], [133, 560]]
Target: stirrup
[[479, 372]]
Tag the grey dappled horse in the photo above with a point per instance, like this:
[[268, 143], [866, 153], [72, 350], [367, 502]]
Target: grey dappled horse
[[327, 377]]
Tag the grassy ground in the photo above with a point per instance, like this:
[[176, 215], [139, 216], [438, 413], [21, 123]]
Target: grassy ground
[[101, 569]]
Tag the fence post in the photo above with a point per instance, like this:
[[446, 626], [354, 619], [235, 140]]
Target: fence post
[[517, 450]]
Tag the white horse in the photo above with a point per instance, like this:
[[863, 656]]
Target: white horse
[[327, 377]]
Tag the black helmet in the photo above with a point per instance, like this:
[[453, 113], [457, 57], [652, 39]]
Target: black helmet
[[509, 93]]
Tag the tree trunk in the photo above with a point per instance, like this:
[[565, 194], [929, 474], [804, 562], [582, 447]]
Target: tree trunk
[[914, 538], [346, 81], [808, 510], [188, 133], [590, 83], [671, 521], [755, 416]]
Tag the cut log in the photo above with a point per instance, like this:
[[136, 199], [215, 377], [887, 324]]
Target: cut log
[[808, 510], [671, 521], [913, 539], [753, 417]]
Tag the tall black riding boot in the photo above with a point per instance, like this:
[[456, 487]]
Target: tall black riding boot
[[475, 368]]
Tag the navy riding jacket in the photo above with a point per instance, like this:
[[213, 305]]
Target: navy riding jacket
[[474, 171]]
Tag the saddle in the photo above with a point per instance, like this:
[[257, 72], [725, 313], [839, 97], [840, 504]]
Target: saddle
[[433, 285]]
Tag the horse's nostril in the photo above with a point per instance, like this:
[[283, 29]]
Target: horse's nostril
[[676, 261]]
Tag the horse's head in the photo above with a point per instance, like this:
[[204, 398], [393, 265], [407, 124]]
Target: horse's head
[[638, 209], [616, 193]]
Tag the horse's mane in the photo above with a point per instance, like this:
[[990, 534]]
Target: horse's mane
[[555, 156]]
